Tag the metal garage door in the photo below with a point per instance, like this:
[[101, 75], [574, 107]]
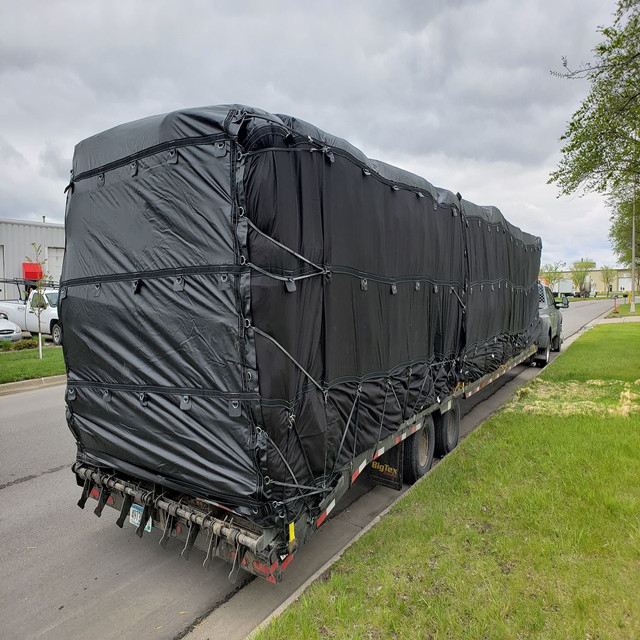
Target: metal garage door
[[624, 284], [3, 285], [54, 262]]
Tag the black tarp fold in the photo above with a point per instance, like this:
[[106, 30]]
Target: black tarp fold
[[249, 302]]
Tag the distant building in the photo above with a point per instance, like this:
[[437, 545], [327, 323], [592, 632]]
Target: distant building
[[16, 238], [594, 281]]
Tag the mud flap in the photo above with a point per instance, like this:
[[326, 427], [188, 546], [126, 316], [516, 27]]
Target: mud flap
[[387, 469]]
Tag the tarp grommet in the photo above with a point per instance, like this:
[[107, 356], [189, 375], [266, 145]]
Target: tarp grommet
[[135, 286], [143, 398], [106, 395], [243, 260], [178, 284], [364, 285], [71, 394], [96, 289], [394, 289], [133, 168], [247, 323], [366, 172], [185, 403], [395, 187], [290, 285], [224, 281], [435, 288], [101, 179], [240, 212], [420, 194], [234, 409], [172, 157], [417, 286], [219, 149]]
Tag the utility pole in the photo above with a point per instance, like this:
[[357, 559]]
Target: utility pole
[[632, 300]]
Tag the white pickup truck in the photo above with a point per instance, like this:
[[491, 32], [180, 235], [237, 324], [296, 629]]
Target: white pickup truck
[[25, 313]]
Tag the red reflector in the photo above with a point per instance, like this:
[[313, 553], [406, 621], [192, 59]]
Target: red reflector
[[110, 500], [178, 529], [94, 493]]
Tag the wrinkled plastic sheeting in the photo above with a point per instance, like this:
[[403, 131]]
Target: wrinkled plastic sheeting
[[249, 303]]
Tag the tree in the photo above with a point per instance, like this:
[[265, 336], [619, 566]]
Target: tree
[[620, 230], [608, 276], [579, 272], [552, 273], [601, 149], [601, 146], [39, 299]]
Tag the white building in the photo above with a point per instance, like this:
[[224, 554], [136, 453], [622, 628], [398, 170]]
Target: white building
[[16, 238]]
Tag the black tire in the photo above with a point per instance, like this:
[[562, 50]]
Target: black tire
[[418, 452], [56, 333], [447, 430]]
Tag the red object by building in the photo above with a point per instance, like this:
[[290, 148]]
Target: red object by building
[[31, 270]]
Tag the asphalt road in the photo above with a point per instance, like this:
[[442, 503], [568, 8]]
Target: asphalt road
[[67, 574]]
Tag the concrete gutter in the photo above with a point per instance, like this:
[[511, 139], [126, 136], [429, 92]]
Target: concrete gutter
[[30, 385]]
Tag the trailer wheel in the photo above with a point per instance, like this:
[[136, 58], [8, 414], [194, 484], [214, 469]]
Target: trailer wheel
[[447, 429], [418, 452]]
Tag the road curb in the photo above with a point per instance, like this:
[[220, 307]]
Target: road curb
[[29, 385]]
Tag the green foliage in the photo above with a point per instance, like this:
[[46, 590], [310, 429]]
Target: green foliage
[[25, 364], [552, 272], [621, 204], [579, 271], [608, 276], [25, 343], [601, 149]]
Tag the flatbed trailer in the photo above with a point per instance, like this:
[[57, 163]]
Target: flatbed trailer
[[220, 533], [255, 312]]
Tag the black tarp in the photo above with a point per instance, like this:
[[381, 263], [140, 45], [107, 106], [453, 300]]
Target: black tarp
[[249, 302]]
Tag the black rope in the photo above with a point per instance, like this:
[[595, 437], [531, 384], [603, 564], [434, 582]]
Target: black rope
[[346, 428], [283, 278], [286, 353], [426, 376], [292, 422], [284, 247], [384, 409]]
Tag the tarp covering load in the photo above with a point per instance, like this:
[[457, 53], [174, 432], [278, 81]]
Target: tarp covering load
[[249, 303]]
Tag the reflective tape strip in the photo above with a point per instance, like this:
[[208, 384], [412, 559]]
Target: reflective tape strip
[[325, 513], [358, 471]]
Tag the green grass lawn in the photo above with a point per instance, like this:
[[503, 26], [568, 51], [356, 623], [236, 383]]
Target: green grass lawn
[[530, 529], [24, 365], [625, 310]]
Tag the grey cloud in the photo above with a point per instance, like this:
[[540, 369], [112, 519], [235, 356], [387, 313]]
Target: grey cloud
[[465, 80], [54, 163]]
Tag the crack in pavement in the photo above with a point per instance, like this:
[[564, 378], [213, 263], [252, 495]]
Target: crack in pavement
[[33, 477]]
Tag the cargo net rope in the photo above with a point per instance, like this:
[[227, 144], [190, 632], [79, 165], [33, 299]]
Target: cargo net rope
[[329, 298], [389, 296]]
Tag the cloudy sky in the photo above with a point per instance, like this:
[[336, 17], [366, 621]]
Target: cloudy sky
[[457, 91]]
